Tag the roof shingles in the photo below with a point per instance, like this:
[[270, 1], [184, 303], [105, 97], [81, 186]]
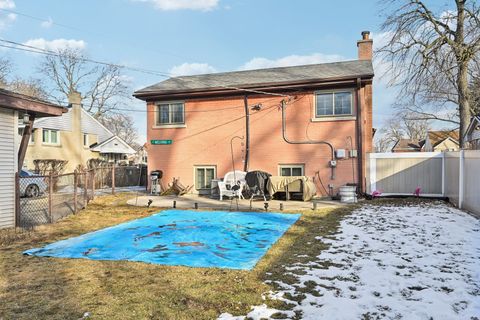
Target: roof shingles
[[325, 71]]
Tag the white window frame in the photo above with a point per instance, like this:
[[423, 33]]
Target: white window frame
[[291, 166], [50, 138], [329, 117], [168, 125], [195, 167]]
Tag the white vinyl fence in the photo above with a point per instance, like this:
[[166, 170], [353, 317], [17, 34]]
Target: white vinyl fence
[[455, 175]]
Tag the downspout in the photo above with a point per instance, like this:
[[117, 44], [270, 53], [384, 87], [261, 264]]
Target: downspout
[[359, 137], [247, 134], [284, 135]]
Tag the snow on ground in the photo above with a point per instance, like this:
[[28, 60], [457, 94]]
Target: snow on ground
[[389, 262]]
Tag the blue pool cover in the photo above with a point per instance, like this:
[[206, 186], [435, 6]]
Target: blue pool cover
[[235, 240]]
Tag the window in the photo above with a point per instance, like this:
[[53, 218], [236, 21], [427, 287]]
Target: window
[[32, 135], [204, 176], [336, 103], [50, 136], [85, 139], [170, 114], [289, 170]]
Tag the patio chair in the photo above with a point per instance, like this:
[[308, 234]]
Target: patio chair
[[232, 185]]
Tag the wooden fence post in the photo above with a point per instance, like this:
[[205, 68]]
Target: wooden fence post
[[17, 200], [113, 178], [75, 182], [93, 183], [50, 192], [85, 188]]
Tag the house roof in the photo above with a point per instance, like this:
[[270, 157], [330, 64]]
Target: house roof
[[474, 123], [408, 145], [260, 77], [89, 125], [113, 144], [437, 137], [64, 123], [32, 105]]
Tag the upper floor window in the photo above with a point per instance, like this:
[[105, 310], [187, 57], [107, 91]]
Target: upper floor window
[[172, 113], [50, 136], [334, 103]]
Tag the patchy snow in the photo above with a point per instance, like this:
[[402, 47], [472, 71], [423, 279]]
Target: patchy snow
[[389, 262]]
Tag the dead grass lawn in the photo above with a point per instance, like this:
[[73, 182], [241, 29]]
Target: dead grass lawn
[[52, 288]]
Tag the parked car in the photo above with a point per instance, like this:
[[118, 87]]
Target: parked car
[[31, 184]]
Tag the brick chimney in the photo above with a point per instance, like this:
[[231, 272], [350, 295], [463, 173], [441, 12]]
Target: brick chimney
[[365, 46]]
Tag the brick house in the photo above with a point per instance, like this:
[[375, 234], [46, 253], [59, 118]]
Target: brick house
[[191, 121]]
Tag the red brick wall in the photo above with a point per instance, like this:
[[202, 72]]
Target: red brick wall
[[210, 124]]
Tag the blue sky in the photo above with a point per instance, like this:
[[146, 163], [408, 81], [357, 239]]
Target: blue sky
[[194, 36]]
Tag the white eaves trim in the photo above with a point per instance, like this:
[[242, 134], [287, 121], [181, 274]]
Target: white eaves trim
[[114, 144]]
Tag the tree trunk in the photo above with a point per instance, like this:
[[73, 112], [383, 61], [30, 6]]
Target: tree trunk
[[462, 77], [463, 102]]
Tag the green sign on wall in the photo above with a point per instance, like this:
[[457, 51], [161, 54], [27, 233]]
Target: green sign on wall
[[157, 142]]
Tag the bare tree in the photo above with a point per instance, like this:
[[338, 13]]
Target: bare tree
[[123, 126], [5, 69], [430, 55], [103, 86], [30, 87], [400, 126]]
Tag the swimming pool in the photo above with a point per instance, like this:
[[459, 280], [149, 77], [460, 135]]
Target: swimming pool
[[235, 240]]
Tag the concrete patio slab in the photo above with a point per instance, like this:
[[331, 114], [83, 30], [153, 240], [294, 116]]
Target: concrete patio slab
[[188, 202]]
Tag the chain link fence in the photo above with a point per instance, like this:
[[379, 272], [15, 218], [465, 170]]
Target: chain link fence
[[46, 199]]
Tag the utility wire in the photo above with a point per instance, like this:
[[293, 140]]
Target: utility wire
[[85, 31], [28, 48]]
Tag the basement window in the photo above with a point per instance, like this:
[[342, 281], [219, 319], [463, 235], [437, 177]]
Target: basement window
[[333, 103], [291, 170], [172, 113], [204, 176]]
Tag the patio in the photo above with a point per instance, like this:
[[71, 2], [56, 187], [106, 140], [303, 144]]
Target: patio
[[188, 202]]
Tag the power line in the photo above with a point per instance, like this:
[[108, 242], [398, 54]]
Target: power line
[[32, 49], [28, 48], [84, 31]]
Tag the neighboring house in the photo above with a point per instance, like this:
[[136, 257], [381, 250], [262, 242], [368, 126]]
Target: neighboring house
[[76, 137], [408, 145], [139, 157], [12, 147], [445, 140], [191, 121], [473, 133]]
